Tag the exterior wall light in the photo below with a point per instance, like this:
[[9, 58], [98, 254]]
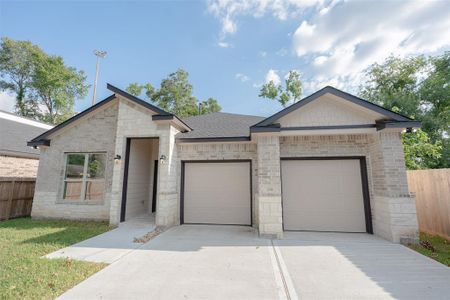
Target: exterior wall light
[[117, 157], [162, 159]]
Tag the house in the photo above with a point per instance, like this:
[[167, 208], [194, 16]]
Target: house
[[330, 162], [16, 159]]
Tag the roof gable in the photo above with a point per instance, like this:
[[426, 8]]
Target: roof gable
[[43, 139], [329, 110], [338, 93]]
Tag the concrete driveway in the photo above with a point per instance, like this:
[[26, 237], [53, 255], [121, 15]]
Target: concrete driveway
[[231, 262]]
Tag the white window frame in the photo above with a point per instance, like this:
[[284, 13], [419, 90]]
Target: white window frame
[[83, 179]]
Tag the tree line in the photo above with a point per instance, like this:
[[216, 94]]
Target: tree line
[[46, 88]]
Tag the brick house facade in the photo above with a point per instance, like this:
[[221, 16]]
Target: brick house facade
[[329, 124]]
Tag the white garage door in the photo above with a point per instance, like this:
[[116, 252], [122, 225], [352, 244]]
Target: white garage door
[[217, 193], [323, 195]]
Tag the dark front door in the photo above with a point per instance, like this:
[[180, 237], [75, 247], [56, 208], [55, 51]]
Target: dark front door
[[155, 185]]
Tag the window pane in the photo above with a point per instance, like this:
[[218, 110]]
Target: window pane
[[75, 166], [72, 190], [96, 166], [95, 190]]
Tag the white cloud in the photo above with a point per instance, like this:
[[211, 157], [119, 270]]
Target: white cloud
[[262, 53], [242, 77], [228, 10], [272, 75], [7, 102], [341, 41], [223, 44]]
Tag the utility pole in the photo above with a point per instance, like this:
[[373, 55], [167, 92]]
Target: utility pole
[[99, 54]]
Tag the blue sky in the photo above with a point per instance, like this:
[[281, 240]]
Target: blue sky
[[229, 47]]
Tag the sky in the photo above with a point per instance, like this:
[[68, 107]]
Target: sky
[[229, 47]]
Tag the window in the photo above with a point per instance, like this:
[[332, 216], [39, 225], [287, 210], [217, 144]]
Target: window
[[84, 178]]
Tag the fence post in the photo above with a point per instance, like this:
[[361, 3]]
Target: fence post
[[10, 199]]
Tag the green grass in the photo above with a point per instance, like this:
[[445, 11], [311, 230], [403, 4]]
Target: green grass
[[441, 247], [24, 274]]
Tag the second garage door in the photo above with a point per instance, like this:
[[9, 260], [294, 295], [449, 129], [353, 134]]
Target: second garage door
[[323, 195], [217, 193]]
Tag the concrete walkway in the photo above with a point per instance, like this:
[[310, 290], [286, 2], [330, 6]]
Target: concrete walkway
[[232, 262], [109, 246]]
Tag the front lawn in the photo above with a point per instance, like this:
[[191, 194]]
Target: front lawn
[[24, 275], [435, 247]]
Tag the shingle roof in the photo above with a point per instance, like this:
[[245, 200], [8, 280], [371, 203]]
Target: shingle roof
[[219, 125], [15, 131]]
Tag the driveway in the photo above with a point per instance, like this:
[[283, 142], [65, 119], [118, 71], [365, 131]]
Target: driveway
[[232, 262]]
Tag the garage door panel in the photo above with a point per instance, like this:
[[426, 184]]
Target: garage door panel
[[217, 193], [322, 195]]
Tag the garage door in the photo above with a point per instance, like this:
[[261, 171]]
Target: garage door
[[217, 193], [323, 195]]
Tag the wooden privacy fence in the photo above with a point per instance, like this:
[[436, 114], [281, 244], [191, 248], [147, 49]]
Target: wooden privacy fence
[[16, 197], [432, 190]]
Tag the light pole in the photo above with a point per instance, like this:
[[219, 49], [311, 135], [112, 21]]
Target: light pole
[[99, 54]]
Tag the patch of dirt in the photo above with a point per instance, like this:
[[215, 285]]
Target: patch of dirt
[[149, 235]]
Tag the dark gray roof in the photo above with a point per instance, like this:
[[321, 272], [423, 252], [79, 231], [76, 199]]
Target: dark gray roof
[[219, 125], [14, 135]]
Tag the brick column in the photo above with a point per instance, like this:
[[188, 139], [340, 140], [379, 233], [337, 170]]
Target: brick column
[[393, 209], [167, 199], [270, 219]]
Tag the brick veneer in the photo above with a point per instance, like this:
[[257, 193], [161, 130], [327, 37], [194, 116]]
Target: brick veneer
[[95, 133], [269, 186], [18, 166]]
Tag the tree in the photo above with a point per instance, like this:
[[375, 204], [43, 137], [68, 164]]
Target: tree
[[175, 95], [209, 106], [55, 87], [292, 91], [17, 62], [45, 88], [395, 84], [419, 88], [135, 89], [420, 152]]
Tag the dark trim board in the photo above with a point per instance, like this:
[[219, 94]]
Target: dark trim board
[[328, 127], [182, 187], [123, 205], [214, 139], [346, 96], [155, 185], [37, 141], [364, 183]]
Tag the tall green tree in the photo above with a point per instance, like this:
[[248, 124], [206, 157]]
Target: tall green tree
[[17, 64], [45, 88], [209, 106], [420, 151], [175, 95], [55, 87], [290, 92], [417, 87]]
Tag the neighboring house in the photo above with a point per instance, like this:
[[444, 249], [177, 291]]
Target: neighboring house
[[16, 158], [330, 162]]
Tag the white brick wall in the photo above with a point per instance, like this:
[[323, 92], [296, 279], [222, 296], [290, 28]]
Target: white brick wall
[[136, 121], [394, 211], [95, 133], [269, 186]]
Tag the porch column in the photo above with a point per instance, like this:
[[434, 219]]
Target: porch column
[[394, 210], [270, 219], [167, 199]]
